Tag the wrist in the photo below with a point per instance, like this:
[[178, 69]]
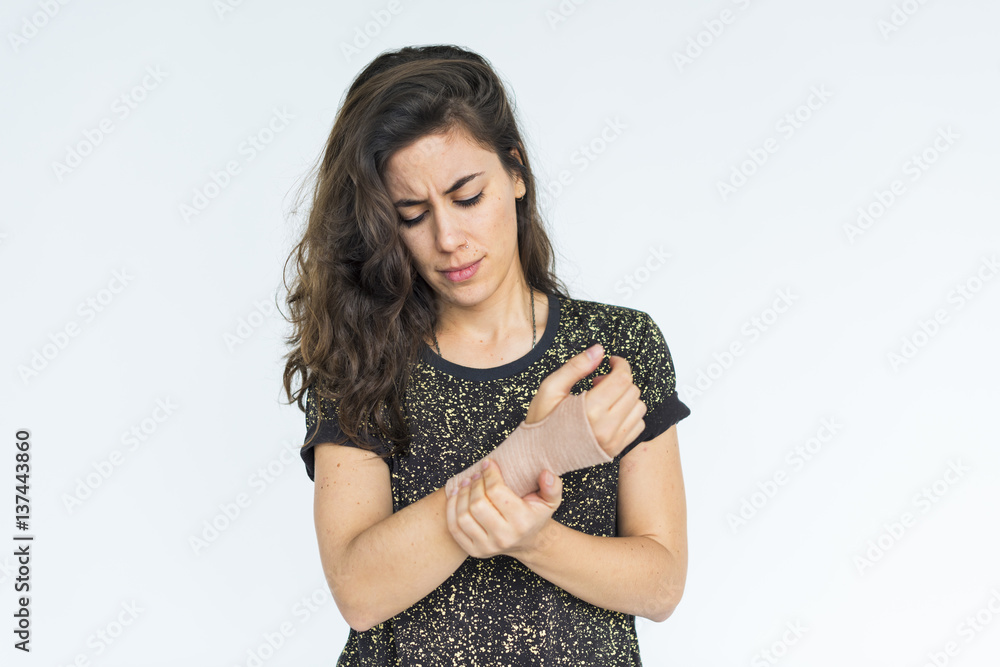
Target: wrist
[[544, 542]]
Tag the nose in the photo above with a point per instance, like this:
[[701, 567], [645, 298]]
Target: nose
[[448, 233]]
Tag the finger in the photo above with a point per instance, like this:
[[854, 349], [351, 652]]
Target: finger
[[496, 489], [463, 515], [620, 366], [628, 403], [624, 416], [612, 386], [562, 379], [636, 431], [482, 508], [451, 516], [550, 491]]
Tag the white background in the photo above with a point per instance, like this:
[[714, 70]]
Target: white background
[[893, 78]]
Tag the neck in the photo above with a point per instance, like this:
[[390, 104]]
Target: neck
[[504, 314]]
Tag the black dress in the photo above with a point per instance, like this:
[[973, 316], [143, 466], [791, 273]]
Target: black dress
[[496, 611]]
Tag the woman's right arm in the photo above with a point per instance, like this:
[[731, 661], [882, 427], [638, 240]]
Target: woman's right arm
[[376, 562]]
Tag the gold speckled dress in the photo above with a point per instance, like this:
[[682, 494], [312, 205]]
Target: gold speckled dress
[[496, 611]]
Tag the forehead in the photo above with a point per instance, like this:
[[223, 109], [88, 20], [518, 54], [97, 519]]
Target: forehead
[[437, 159]]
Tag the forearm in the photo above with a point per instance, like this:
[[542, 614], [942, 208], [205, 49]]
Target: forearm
[[560, 442], [398, 561], [633, 575]]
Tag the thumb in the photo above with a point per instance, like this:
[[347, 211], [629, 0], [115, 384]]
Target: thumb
[[550, 488], [563, 378]]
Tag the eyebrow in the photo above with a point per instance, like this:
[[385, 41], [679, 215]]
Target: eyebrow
[[455, 186]]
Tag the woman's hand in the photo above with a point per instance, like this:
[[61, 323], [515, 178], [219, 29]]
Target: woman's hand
[[486, 518], [613, 408]]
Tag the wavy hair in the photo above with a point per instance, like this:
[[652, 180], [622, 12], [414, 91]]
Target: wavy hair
[[358, 307]]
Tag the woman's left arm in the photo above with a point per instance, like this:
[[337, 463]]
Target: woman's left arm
[[643, 570]]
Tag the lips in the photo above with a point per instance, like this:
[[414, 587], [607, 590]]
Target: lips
[[459, 268], [464, 273]]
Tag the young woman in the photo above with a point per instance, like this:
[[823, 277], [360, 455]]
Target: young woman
[[429, 331]]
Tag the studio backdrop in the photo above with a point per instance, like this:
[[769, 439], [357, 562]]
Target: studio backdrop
[[802, 195]]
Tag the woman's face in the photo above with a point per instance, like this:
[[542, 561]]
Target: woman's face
[[449, 191]]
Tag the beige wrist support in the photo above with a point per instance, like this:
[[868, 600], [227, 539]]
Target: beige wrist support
[[561, 442]]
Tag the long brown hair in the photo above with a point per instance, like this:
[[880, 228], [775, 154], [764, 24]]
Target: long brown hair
[[358, 307]]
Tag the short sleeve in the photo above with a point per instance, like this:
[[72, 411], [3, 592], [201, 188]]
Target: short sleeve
[[322, 425], [653, 372]]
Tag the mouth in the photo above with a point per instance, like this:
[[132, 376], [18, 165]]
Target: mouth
[[458, 268], [462, 272]]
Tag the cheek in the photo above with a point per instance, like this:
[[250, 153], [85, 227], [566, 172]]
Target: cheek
[[415, 247], [502, 218]]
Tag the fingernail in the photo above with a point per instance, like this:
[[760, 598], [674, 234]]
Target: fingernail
[[465, 482], [476, 476], [486, 464], [595, 351], [453, 491]]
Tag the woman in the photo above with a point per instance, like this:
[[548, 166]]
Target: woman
[[428, 325]]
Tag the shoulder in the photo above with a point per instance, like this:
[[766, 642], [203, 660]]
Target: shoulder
[[320, 404], [621, 330], [624, 332]]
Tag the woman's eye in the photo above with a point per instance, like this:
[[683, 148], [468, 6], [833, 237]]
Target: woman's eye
[[461, 202], [470, 202]]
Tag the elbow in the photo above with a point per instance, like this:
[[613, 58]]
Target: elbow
[[357, 624], [670, 588], [363, 620], [661, 611], [356, 615], [352, 596], [666, 610], [669, 596], [358, 611]]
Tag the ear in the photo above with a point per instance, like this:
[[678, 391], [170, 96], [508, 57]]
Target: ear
[[518, 183], [516, 153]]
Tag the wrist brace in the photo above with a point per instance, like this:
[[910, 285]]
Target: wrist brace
[[561, 442]]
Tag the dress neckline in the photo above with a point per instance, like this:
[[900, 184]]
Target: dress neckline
[[429, 356]]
